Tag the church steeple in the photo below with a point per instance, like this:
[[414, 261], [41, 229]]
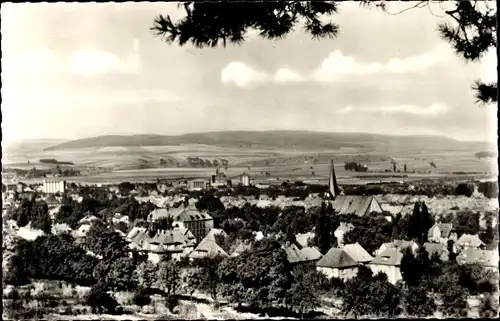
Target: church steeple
[[332, 184]]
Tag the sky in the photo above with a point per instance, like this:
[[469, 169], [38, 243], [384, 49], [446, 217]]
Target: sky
[[77, 70]]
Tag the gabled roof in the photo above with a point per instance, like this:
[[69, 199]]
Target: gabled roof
[[88, 218], [207, 248], [215, 231], [343, 227], [401, 244], [469, 240], [50, 200], [390, 256], [136, 235], [242, 247], [158, 214], [182, 214], [337, 258], [437, 248], [480, 257], [355, 204], [173, 237], [444, 228], [358, 253]]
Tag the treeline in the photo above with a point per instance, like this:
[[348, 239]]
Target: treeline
[[54, 161], [34, 211], [485, 154], [35, 173], [356, 167]]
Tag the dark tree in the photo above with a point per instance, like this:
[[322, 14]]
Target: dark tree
[[369, 295], [263, 269], [464, 189], [419, 223], [99, 299], [454, 301], [489, 307], [207, 274], [417, 303], [323, 232], [210, 203]]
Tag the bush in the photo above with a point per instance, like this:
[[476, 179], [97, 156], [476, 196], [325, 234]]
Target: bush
[[141, 298], [100, 300], [171, 302]]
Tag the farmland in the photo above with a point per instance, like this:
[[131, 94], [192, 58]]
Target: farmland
[[106, 164]]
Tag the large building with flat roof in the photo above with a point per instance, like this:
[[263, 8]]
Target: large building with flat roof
[[54, 186]]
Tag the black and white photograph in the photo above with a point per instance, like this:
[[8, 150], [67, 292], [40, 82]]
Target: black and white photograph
[[244, 160]]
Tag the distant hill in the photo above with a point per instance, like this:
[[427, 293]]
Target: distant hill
[[305, 140]]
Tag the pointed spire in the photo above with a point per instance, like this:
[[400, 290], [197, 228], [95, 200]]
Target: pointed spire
[[332, 184]]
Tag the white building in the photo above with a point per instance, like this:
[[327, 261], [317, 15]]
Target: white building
[[245, 179], [53, 186]]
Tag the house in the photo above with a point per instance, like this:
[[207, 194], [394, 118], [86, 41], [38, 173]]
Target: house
[[358, 253], [82, 230], [356, 204], [54, 186], [117, 218], [88, 219], [398, 244], [388, 262], [243, 179], [258, 235], [341, 231], [440, 233], [20, 187], [207, 248], [190, 238], [171, 243], [197, 222], [484, 258], [242, 247], [468, 241], [303, 239], [51, 201], [304, 255], [440, 249], [338, 263], [60, 228], [136, 237]]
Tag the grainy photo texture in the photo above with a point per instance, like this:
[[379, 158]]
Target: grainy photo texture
[[249, 160]]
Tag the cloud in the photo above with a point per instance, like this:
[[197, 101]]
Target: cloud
[[88, 62], [241, 75], [35, 60], [430, 111], [488, 67], [336, 66], [284, 75]]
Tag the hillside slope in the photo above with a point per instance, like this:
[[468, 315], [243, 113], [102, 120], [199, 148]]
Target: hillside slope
[[304, 140]]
